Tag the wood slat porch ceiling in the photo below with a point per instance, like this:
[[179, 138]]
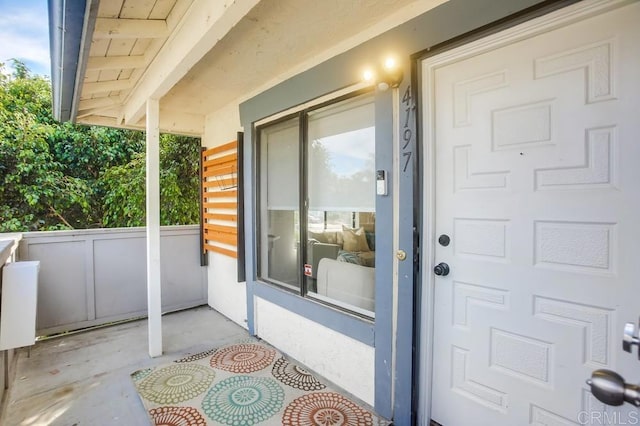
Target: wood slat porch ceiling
[[128, 34]]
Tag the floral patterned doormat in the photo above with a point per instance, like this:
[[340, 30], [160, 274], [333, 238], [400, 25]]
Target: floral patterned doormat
[[243, 384]]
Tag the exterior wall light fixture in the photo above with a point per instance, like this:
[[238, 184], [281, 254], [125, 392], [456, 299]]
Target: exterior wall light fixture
[[388, 75]]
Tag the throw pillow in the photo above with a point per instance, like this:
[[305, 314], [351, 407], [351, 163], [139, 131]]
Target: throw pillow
[[331, 237], [354, 239], [371, 240], [327, 237], [320, 236], [367, 258], [348, 257]]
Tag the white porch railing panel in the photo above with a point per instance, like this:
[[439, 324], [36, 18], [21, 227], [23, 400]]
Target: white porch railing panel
[[8, 246], [96, 276]]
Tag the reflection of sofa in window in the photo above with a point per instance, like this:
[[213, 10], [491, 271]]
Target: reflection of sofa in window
[[355, 246], [317, 251], [347, 282]]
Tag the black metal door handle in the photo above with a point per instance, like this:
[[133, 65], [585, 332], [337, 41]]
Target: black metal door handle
[[441, 269]]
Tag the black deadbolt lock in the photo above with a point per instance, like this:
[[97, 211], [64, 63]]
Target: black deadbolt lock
[[444, 240]]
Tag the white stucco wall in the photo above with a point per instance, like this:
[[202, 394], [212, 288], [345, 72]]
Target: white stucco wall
[[222, 125], [225, 293], [346, 362]]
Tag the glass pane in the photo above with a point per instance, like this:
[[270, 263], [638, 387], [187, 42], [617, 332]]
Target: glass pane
[[340, 263], [279, 246]]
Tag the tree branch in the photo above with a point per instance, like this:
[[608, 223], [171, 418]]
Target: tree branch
[[59, 216]]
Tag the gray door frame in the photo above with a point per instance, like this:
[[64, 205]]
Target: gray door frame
[[425, 237]]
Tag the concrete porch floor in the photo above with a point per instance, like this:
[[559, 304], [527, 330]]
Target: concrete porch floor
[[83, 378]]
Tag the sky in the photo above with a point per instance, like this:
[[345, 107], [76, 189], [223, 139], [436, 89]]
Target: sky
[[350, 152], [24, 34]]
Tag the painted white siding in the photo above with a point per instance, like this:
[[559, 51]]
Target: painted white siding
[[346, 362], [226, 294]]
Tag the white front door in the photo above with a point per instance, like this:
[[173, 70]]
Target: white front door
[[533, 171]]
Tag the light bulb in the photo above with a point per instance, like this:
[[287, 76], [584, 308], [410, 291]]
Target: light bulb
[[368, 75], [389, 63]]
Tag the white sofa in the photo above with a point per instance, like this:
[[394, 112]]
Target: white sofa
[[347, 282], [316, 251]]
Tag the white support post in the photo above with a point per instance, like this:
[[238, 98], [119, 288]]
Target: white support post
[[154, 299]]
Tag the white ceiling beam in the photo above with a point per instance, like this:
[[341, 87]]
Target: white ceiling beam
[[115, 62], [108, 101], [182, 123], [108, 112], [106, 86], [204, 25], [130, 28], [101, 120], [174, 122]]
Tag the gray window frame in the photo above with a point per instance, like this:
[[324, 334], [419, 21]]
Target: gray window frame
[[303, 209]]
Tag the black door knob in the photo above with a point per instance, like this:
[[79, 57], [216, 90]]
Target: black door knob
[[441, 269]]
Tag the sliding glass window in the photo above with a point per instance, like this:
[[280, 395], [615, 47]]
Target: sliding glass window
[[280, 204], [335, 176]]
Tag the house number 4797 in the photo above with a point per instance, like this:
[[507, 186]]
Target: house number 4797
[[408, 108]]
